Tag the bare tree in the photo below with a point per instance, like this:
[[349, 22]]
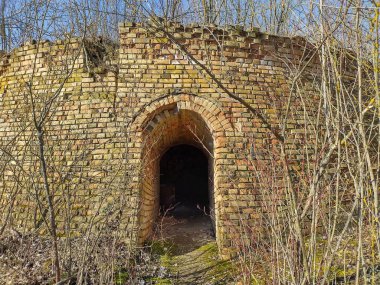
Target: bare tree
[[329, 174]]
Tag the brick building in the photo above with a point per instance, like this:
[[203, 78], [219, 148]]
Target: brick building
[[109, 115]]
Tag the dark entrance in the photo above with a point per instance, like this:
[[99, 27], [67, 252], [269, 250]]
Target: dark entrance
[[185, 198], [184, 179]]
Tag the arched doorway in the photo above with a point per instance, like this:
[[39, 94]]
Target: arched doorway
[[177, 173], [165, 122]]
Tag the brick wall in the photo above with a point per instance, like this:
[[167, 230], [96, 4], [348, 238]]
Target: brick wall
[[225, 91]]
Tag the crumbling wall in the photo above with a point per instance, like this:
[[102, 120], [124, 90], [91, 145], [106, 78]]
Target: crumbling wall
[[166, 84]]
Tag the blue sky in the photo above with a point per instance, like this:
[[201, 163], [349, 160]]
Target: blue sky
[[55, 18]]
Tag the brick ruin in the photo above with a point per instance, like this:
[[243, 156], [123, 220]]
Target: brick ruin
[[113, 111]]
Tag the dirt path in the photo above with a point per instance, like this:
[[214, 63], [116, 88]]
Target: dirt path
[[193, 255]]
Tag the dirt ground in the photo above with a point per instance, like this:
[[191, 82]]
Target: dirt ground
[[187, 228], [192, 254]]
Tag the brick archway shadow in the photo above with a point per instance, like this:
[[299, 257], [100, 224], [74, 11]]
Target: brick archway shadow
[[161, 124]]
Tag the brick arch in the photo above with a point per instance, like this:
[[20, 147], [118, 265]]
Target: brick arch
[[157, 114], [210, 111]]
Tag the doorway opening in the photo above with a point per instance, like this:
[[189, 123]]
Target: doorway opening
[[185, 197], [177, 182]]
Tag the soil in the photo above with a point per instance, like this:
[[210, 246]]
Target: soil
[[191, 255], [188, 228]]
